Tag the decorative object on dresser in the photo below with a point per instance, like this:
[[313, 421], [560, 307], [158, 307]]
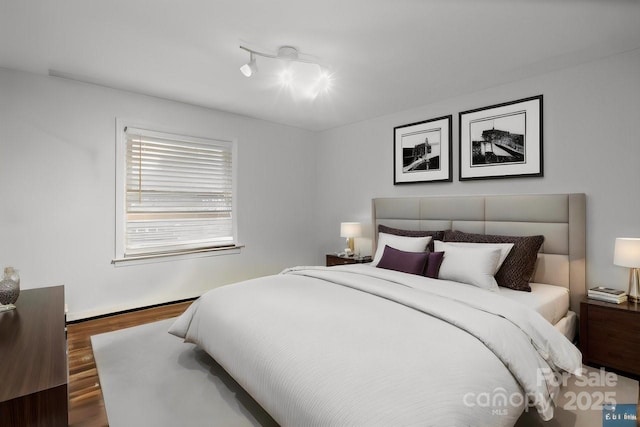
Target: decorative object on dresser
[[9, 289], [350, 230], [335, 259], [422, 152], [502, 141], [627, 254], [601, 293], [34, 360], [610, 335]]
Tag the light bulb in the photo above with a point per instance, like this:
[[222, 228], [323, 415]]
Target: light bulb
[[249, 68], [286, 77]]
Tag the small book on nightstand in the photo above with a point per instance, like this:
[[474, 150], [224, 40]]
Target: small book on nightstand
[[601, 293]]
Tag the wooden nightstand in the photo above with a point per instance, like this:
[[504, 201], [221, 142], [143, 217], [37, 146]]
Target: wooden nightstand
[[333, 259], [610, 335]]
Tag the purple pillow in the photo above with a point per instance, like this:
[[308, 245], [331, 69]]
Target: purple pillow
[[406, 262], [433, 264]]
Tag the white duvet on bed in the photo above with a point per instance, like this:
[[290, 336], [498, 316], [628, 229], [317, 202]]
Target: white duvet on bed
[[362, 346]]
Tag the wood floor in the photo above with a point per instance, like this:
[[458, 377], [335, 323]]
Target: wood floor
[[86, 405]]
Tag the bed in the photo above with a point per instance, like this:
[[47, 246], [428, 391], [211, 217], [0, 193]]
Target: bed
[[363, 345]]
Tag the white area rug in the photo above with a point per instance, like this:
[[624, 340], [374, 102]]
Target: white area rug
[[151, 378]]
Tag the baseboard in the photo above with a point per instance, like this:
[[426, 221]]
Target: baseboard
[[129, 310]]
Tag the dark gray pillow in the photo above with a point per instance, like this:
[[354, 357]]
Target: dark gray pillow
[[517, 269], [435, 235]]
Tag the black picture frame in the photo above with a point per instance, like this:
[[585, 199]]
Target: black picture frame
[[418, 159], [502, 141]]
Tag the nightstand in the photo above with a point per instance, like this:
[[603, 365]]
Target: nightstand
[[333, 259], [610, 335]]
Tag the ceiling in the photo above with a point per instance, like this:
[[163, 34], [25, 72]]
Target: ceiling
[[385, 55]]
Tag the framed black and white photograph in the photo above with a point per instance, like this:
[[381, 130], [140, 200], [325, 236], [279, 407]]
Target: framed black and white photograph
[[422, 152], [502, 141]]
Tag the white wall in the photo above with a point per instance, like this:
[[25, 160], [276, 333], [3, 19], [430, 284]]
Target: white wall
[[57, 176], [591, 145]]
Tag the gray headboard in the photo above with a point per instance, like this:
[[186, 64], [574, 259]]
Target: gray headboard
[[561, 218]]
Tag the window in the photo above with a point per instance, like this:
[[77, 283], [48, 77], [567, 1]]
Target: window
[[175, 194]]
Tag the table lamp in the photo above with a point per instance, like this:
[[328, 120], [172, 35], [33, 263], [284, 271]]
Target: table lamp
[[627, 254], [350, 230]]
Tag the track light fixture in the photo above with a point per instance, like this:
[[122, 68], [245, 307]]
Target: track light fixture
[[301, 81], [285, 53]]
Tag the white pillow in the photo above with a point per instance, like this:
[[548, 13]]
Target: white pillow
[[403, 243], [505, 248], [471, 265]]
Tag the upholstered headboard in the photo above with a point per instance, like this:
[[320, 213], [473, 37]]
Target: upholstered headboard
[[559, 217]]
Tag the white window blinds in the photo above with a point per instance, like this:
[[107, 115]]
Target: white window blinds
[[178, 193]]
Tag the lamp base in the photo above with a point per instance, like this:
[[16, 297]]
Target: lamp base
[[634, 285], [6, 307], [350, 244]]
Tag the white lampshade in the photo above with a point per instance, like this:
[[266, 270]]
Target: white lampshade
[[350, 229], [627, 252]]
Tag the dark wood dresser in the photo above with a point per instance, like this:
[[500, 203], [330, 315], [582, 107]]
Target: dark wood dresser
[[610, 335], [33, 360]]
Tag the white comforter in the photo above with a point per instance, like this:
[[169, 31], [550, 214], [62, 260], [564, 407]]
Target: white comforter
[[362, 346]]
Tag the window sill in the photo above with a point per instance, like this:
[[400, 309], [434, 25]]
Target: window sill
[[171, 256]]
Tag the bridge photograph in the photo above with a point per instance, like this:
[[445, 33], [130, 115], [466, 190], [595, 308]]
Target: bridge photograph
[[421, 151], [502, 140], [498, 139]]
